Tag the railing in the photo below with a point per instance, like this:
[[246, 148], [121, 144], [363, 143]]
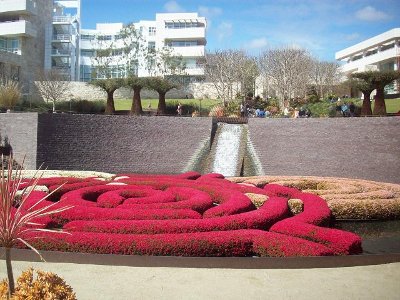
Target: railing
[[63, 19], [62, 37], [11, 50], [60, 51]]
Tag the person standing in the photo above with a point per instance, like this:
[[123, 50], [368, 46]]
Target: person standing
[[179, 109]]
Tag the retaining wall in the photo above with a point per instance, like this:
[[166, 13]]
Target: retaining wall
[[367, 148], [119, 144], [21, 130]]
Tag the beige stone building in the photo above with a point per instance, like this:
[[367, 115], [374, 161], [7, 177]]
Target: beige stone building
[[22, 39]]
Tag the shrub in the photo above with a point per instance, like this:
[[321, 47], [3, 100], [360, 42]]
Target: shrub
[[45, 286], [10, 93], [340, 242], [271, 212], [191, 214], [279, 245]]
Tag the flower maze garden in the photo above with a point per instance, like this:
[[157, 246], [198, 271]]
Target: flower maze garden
[[185, 215]]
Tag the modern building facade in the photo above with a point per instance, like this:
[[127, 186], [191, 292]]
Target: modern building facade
[[37, 35], [22, 39], [62, 39], [381, 52], [184, 34]]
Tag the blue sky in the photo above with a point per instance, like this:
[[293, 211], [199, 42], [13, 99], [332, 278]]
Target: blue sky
[[323, 27]]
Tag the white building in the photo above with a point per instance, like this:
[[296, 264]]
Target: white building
[[381, 52], [62, 39], [183, 33]]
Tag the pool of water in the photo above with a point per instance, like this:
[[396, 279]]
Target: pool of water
[[379, 237]]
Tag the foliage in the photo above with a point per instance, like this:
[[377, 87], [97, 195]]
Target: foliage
[[109, 85], [187, 107], [377, 80], [75, 106], [45, 286], [163, 62], [10, 93], [16, 218], [161, 86], [136, 84]]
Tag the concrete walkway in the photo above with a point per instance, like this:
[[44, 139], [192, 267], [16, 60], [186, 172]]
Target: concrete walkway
[[124, 282]]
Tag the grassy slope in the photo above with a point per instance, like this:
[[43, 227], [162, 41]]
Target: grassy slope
[[125, 104]]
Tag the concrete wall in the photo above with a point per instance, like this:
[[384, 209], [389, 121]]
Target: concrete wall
[[119, 143], [367, 148], [21, 130]]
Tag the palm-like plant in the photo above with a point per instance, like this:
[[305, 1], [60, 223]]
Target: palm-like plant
[[16, 217]]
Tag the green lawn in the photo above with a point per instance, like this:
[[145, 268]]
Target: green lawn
[[125, 104], [392, 105]]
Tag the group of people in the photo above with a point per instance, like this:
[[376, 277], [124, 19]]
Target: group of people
[[344, 109]]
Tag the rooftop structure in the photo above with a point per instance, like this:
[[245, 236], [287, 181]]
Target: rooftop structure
[[381, 52]]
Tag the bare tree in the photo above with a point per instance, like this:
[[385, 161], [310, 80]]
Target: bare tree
[[52, 85], [287, 70], [324, 75], [230, 72]]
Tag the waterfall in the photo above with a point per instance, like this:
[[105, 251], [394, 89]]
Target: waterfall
[[228, 152]]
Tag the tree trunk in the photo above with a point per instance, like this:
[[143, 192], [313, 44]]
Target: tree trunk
[[110, 107], [162, 107], [366, 106], [136, 108], [380, 106], [54, 106], [11, 286]]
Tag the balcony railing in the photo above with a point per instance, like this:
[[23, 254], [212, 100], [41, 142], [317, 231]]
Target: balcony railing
[[60, 51], [62, 37], [11, 50], [63, 19], [18, 28]]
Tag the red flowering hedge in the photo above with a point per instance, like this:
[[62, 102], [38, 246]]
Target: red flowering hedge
[[187, 215]]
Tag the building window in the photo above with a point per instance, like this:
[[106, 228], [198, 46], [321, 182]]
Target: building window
[[87, 37], [181, 25], [87, 53], [117, 52], [151, 46], [10, 45], [86, 73], [182, 43], [152, 31], [104, 37]]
